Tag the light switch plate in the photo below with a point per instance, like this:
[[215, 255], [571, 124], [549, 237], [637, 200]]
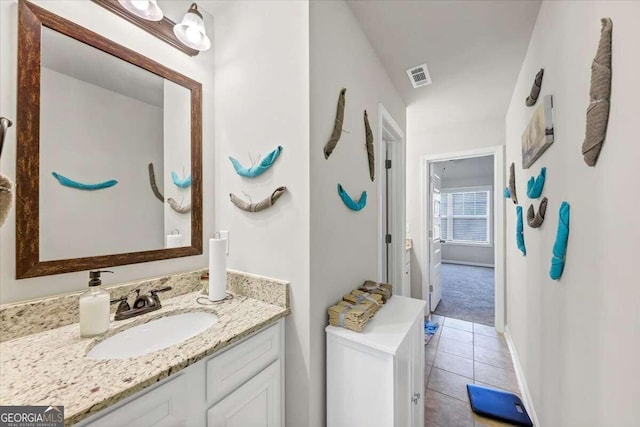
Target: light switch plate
[[224, 234]]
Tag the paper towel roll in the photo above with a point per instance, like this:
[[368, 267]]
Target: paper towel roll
[[174, 241], [217, 269]]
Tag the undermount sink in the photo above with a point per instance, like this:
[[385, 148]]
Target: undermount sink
[[153, 336]]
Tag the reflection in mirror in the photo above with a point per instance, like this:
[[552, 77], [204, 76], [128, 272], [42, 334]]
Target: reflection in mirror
[[104, 119]]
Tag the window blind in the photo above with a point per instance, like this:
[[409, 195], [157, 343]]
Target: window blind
[[464, 216]]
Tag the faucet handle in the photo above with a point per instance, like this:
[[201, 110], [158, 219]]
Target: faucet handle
[[123, 306], [165, 289], [154, 294]]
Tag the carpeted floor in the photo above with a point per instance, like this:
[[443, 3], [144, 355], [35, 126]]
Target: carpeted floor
[[467, 293]]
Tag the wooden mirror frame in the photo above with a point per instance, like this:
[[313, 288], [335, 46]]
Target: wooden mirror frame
[[31, 19]]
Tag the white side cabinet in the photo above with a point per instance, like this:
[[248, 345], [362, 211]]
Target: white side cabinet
[[376, 378], [243, 386]]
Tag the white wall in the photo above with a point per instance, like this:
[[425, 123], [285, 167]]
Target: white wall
[[80, 139], [177, 157], [425, 136], [467, 254], [120, 31], [262, 101], [578, 339], [466, 173], [344, 243]]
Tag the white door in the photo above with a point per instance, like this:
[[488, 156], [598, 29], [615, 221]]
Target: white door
[[417, 398], [387, 212], [404, 383], [257, 403], [435, 246], [409, 378]]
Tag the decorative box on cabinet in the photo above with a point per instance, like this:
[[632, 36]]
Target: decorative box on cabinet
[[376, 378]]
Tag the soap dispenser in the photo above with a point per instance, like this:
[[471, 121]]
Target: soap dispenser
[[94, 307]]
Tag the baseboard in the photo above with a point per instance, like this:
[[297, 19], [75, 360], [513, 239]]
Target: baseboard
[[522, 382], [474, 264]]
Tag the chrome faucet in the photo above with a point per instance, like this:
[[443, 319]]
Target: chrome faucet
[[141, 305]]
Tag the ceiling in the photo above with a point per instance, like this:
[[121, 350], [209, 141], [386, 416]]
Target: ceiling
[[473, 49], [83, 62], [474, 167]]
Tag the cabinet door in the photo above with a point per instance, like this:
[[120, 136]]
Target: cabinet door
[[257, 403], [227, 371], [417, 363], [404, 383]]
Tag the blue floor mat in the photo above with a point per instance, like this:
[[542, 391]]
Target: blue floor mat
[[430, 328], [498, 404]]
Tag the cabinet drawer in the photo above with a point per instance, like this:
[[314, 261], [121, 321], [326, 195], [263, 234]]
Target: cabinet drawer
[[166, 405], [234, 367]]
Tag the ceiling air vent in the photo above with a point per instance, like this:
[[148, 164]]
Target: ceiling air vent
[[419, 75]]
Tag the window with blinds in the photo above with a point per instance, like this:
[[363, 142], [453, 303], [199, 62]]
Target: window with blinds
[[464, 216]]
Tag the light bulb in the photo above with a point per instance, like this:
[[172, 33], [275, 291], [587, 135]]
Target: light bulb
[[191, 30], [145, 9], [193, 34], [140, 4]]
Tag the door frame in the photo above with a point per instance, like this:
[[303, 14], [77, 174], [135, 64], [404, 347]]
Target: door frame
[[389, 130], [499, 221]]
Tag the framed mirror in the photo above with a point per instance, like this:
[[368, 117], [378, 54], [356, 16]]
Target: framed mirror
[[109, 154]]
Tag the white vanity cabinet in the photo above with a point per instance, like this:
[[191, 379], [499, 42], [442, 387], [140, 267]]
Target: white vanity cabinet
[[376, 378], [242, 386]]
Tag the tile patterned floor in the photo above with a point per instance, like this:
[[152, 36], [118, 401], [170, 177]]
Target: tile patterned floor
[[459, 354]]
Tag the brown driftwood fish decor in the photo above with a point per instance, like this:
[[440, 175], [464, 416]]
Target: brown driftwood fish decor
[[6, 197], [6, 186], [512, 183], [154, 186], [261, 205], [535, 219], [535, 89], [369, 143], [600, 92], [337, 126], [183, 209]]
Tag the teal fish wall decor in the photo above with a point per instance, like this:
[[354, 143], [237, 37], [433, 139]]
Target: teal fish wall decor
[[354, 205], [63, 180], [258, 169]]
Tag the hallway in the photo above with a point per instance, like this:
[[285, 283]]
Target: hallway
[[461, 353]]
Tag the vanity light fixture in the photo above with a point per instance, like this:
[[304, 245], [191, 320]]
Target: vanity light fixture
[[191, 30], [145, 9]]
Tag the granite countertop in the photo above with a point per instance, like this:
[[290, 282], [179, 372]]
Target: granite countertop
[[50, 367]]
